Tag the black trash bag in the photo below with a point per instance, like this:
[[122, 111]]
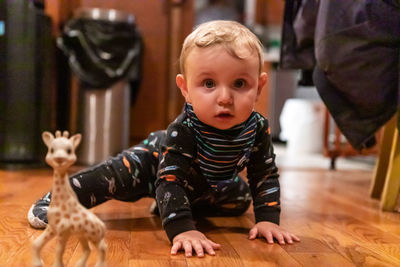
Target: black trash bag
[[102, 52]]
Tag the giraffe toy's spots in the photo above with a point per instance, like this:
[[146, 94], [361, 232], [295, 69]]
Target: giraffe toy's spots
[[66, 216]]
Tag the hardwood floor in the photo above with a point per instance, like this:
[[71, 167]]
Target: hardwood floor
[[339, 225]]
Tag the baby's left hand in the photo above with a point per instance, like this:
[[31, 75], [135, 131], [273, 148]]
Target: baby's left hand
[[270, 230]]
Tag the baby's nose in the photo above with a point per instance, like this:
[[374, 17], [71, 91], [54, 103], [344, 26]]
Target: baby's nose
[[225, 96]]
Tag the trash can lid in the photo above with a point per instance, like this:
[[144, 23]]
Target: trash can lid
[[105, 14]]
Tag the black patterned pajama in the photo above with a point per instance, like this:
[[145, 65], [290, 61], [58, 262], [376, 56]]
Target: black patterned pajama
[[131, 175]]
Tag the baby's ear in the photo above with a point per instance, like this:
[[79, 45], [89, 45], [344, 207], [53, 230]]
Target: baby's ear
[[181, 83], [47, 138], [262, 80], [76, 139]]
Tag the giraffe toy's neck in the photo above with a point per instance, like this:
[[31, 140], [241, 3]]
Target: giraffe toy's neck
[[61, 190]]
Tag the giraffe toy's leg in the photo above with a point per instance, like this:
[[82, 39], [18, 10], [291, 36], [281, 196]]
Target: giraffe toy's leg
[[38, 245], [62, 241], [86, 252], [102, 247]]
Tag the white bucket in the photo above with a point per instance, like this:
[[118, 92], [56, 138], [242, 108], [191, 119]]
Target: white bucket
[[301, 123]]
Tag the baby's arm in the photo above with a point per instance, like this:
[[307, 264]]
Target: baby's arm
[[178, 224], [177, 221], [264, 185], [172, 189]]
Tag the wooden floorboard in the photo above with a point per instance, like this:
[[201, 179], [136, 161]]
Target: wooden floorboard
[[339, 225]]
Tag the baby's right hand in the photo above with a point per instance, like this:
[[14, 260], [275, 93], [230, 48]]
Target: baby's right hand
[[193, 240]]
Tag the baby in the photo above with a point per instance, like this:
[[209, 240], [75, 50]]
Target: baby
[[193, 167]]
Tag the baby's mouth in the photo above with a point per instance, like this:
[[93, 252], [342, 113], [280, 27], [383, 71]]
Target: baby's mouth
[[224, 115]]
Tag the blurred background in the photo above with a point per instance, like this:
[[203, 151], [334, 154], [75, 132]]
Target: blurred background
[[107, 68]]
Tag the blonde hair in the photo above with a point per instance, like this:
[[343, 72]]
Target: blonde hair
[[231, 34]]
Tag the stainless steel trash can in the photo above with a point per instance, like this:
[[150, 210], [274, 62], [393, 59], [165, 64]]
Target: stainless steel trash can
[[103, 46], [104, 122]]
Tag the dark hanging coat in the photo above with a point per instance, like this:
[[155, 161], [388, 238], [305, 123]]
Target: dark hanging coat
[[353, 48]]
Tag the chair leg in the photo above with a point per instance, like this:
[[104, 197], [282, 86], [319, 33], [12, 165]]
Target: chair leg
[[381, 167], [332, 165], [392, 181]]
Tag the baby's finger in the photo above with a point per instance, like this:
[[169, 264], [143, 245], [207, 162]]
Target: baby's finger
[[207, 246], [295, 238], [253, 233], [279, 237], [176, 247], [198, 248], [288, 237], [214, 245], [187, 246], [268, 236]]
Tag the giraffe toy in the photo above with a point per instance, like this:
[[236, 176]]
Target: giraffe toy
[[66, 216]]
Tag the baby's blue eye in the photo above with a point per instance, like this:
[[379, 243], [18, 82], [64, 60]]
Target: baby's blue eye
[[239, 83], [209, 83]]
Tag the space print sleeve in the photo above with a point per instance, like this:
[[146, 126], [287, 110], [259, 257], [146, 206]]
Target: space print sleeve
[[176, 157], [263, 176]]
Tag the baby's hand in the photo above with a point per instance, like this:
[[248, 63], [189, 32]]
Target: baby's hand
[[270, 230], [193, 240]]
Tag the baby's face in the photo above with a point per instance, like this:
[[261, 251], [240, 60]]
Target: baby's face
[[221, 88]]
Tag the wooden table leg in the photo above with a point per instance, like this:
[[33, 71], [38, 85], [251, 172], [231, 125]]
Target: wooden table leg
[[392, 181], [381, 167]]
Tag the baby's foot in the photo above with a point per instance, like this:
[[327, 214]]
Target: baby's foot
[[154, 209], [37, 215]]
